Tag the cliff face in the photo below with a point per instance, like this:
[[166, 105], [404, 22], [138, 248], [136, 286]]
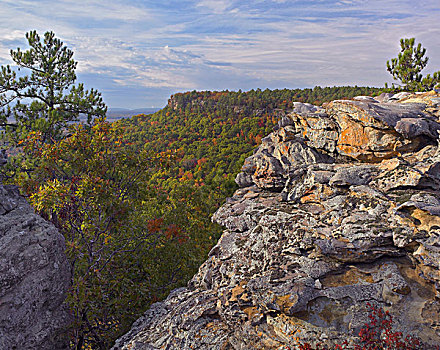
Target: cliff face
[[338, 207], [34, 278]]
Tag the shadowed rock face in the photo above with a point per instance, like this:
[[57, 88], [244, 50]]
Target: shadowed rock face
[[34, 277], [314, 233]]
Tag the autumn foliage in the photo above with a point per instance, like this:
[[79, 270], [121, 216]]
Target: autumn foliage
[[377, 334], [129, 242], [211, 133]]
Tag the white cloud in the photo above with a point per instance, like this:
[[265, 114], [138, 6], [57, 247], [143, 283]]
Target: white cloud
[[133, 64], [65, 9], [207, 44], [216, 6]]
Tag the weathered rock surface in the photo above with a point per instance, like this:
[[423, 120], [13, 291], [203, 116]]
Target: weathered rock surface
[[336, 208], [34, 277]]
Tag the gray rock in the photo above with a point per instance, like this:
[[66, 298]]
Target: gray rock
[[422, 201], [366, 99], [304, 108], [284, 121], [277, 156], [383, 97], [400, 95], [243, 180], [354, 175], [413, 127], [34, 278], [374, 131]]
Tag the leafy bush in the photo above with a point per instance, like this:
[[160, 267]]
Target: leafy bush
[[377, 334], [129, 243]]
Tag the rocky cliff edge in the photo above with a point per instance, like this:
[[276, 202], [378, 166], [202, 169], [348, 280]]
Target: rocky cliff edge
[[34, 278], [338, 207]]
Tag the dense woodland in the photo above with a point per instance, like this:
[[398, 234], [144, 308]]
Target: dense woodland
[[211, 133]]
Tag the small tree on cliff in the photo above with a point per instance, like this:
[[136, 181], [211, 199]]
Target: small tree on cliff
[[46, 99], [408, 65]]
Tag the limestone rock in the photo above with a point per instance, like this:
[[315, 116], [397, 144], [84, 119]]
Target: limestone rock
[[313, 234], [279, 154], [34, 278], [366, 99], [365, 129], [353, 175], [384, 97]]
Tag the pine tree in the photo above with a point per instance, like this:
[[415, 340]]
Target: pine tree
[[408, 65], [46, 99]]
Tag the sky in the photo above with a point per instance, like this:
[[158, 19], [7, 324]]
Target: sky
[[139, 52]]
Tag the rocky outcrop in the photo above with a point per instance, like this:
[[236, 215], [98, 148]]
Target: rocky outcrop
[[34, 278], [338, 207]]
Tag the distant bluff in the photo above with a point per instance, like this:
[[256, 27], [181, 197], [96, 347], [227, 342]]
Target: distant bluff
[[338, 207]]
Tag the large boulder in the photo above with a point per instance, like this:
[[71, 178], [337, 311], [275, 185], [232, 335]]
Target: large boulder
[[367, 130], [34, 278], [322, 225]]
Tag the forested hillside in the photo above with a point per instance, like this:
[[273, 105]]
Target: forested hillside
[[211, 133]]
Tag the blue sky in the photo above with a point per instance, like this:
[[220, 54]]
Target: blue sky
[[138, 52]]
